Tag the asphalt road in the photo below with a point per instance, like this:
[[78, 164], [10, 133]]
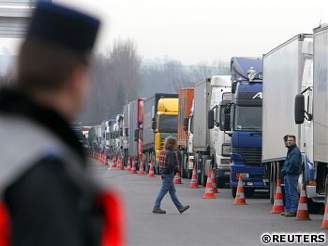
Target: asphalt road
[[207, 223]]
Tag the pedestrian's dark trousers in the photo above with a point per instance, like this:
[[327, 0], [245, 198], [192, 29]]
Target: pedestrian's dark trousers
[[167, 186]]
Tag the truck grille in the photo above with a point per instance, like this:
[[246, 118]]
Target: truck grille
[[252, 156], [162, 143]]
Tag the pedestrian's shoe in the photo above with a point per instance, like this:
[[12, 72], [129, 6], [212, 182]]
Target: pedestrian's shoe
[[290, 214], [184, 208], [159, 211]]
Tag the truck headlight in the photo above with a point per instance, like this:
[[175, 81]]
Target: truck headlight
[[226, 149]]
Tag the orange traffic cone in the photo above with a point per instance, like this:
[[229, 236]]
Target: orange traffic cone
[[151, 173], [114, 162], [209, 193], [240, 195], [133, 170], [278, 205], [177, 178], [215, 190], [194, 180], [141, 169], [324, 223], [122, 164], [302, 210]]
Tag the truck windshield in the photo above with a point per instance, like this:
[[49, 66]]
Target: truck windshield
[[248, 118], [168, 123]]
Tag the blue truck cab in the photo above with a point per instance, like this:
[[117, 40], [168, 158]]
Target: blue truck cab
[[245, 124]]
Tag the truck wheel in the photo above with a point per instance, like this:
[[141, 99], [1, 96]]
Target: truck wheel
[[233, 191], [249, 192], [315, 207], [326, 191], [220, 183], [204, 180], [189, 174], [272, 190]]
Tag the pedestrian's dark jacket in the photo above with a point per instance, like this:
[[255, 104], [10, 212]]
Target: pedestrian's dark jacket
[[168, 162], [46, 207], [293, 162]]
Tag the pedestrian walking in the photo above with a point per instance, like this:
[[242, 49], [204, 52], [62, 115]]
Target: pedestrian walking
[[48, 197], [291, 170], [168, 164]]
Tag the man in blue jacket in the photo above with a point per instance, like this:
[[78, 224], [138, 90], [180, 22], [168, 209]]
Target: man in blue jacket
[[291, 170]]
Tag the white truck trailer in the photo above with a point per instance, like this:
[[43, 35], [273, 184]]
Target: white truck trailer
[[287, 71], [207, 143], [316, 112]]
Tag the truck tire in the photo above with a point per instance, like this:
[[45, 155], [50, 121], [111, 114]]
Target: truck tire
[[315, 207], [203, 180], [233, 191], [220, 183], [326, 191], [249, 192], [272, 191]]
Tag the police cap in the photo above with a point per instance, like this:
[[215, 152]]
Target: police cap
[[64, 27]]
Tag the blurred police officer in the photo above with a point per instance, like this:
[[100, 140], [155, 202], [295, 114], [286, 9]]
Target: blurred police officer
[[48, 197]]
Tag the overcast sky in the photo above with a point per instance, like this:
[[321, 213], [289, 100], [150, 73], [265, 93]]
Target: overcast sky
[[195, 31]]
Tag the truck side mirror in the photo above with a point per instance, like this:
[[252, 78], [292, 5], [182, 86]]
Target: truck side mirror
[[185, 124], [225, 118], [210, 119], [299, 109], [136, 135]]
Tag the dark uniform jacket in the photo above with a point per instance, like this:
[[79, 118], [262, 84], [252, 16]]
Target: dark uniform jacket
[[168, 162], [50, 202], [293, 162]]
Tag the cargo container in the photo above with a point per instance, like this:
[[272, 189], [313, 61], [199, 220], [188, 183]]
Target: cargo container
[[311, 108], [186, 98], [287, 71]]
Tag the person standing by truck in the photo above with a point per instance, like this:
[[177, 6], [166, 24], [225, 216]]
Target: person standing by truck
[[168, 164], [291, 170]]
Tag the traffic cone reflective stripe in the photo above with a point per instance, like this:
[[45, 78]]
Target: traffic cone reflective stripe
[[278, 205], [177, 178], [194, 180], [324, 223], [151, 171], [302, 210], [240, 194], [209, 193]]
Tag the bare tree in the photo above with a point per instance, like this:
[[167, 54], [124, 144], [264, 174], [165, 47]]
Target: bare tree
[[115, 77]]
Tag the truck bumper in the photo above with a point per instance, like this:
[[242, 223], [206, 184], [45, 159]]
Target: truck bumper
[[223, 172], [313, 195], [253, 177]]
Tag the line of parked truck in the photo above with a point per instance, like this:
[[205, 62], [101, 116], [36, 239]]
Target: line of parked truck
[[235, 124]]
